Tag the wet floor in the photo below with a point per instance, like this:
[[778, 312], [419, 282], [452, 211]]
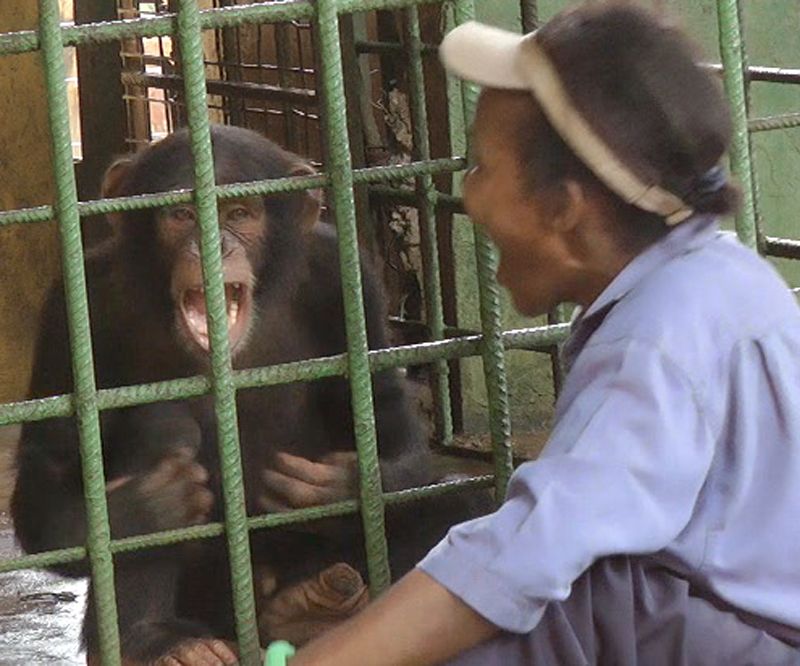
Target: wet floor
[[40, 613]]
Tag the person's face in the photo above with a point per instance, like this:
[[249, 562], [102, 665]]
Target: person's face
[[534, 259]]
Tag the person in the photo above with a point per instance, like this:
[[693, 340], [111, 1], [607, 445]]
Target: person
[[660, 524]]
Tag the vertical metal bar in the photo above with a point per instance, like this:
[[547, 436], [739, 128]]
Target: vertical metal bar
[[489, 296], [557, 316], [85, 391], [530, 15], [222, 379], [730, 44], [339, 167], [759, 222], [432, 280]]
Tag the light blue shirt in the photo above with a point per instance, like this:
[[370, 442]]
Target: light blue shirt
[[677, 434]]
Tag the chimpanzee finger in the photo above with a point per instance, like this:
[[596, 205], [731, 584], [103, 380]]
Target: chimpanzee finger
[[317, 474], [195, 653], [223, 651], [270, 505], [199, 502], [297, 493]]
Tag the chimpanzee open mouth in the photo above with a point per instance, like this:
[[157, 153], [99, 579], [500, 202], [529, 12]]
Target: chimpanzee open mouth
[[193, 311]]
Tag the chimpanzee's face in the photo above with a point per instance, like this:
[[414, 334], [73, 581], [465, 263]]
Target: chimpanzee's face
[[243, 230]]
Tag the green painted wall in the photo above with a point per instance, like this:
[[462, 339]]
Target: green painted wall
[[771, 30]]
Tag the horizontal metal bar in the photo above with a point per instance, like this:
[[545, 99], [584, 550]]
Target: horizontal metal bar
[[234, 89], [408, 197], [364, 176], [786, 248], [43, 560], [783, 121], [211, 530], [368, 46], [765, 74], [160, 26], [531, 339]]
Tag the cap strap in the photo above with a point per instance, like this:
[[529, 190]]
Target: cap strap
[[546, 85]]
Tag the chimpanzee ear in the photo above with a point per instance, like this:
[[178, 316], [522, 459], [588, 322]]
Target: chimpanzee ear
[[114, 177], [112, 184], [309, 210]]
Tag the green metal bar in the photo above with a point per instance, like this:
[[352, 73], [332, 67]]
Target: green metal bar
[[532, 339], [222, 373], [281, 11], [426, 200], [730, 43], [266, 521], [489, 297], [408, 197], [85, 395], [783, 121], [43, 560], [259, 187], [338, 165]]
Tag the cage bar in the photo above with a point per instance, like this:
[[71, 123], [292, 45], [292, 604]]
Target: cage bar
[[730, 45], [342, 202], [222, 373], [85, 395], [426, 204], [489, 297]]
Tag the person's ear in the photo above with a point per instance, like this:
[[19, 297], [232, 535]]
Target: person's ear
[[572, 209]]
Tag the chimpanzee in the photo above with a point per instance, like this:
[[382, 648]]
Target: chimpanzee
[[148, 319]]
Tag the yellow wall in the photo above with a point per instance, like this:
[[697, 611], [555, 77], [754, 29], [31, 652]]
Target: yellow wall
[[29, 258]]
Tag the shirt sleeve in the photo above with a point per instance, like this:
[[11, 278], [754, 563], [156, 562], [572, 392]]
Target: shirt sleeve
[[620, 474]]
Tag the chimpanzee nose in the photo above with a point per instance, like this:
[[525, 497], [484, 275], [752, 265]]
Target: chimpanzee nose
[[227, 244]]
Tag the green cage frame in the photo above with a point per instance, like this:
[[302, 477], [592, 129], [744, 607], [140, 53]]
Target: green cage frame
[[87, 401]]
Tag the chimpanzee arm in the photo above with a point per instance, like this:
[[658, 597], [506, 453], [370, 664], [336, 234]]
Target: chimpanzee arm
[[162, 491], [402, 446]]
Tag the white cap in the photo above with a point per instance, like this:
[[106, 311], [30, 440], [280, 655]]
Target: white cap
[[500, 59]]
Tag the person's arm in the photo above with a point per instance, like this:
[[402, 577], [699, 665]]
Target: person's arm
[[416, 623], [621, 474]]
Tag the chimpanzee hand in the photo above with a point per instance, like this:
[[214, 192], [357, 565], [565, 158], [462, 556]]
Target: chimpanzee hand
[[298, 483], [172, 495]]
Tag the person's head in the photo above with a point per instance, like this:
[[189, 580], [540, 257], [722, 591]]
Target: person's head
[[593, 138]]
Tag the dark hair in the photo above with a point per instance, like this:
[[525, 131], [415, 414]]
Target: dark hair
[[635, 80]]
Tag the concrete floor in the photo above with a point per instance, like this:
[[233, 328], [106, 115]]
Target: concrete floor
[[40, 613]]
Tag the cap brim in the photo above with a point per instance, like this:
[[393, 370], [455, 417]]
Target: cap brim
[[484, 54]]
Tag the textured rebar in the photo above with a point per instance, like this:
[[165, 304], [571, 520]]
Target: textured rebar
[[489, 297], [267, 521], [787, 248], [85, 395], [369, 175], [730, 44], [160, 26], [224, 392], [529, 10], [426, 206], [783, 121], [339, 167]]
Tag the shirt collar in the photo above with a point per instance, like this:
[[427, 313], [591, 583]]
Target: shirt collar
[[690, 235]]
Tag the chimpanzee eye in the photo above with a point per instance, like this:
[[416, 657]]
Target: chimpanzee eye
[[182, 214], [238, 213]]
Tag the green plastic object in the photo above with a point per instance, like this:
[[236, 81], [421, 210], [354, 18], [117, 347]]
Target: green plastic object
[[278, 653]]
